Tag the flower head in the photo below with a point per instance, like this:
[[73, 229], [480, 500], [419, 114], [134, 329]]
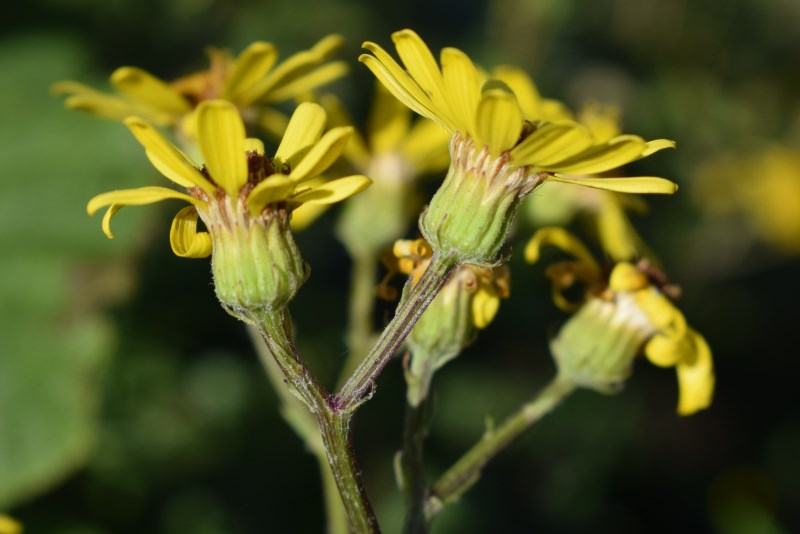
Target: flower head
[[468, 302], [244, 198], [253, 78], [498, 155], [619, 315]]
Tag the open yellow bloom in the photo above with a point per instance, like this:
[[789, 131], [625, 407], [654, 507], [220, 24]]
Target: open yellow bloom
[[616, 318], [461, 99], [252, 79], [240, 194], [498, 156]]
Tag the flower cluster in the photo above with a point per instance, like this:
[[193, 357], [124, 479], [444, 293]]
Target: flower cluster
[[617, 317], [498, 156]]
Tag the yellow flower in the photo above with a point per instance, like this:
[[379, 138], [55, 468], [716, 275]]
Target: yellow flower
[[497, 156], [241, 195], [250, 80], [459, 98], [616, 318]]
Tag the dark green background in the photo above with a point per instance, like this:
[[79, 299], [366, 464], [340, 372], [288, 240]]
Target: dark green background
[[129, 401]]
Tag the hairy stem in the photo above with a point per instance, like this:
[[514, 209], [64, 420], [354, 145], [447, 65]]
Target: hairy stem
[[300, 419], [333, 424], [412, 306], [467, 470]]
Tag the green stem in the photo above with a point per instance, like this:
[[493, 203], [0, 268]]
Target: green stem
[[467, 470], [333, 424], [335, 513], [357, 388], [417, 421], [360, 334], [305, 426]]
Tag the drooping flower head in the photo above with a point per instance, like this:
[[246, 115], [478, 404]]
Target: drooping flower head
[[498, 155], [252, 80], [244, 198], [468, 302], [619, 315]]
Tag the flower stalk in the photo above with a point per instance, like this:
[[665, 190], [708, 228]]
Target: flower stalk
[[415, 301], [467, 470], [333, 424]]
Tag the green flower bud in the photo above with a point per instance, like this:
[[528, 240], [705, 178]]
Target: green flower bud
[[256, 264], [595, 348], [469, 216]]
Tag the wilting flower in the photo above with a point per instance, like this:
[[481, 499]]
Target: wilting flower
[[617, 317], [497, 156], [250, 81], [467, 303], [244, 198]]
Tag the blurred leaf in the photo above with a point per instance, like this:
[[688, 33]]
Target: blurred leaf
[[52, 339]]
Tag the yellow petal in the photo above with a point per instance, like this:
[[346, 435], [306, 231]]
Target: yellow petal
[[527, 94], [552, 143], [307, 83], [106, 225], [186, 241], [86, 99], [304, 129], [616, 233], [334, 191], [221, 136], [656, 145], [251, 144], [662, 312], [463, 85], [563, 240], [250, 67], [484, 308], [145, 88], [328, 46], [304, 215], [291, 69], [272, 189], [499, 123], [137, 197], [667, 351], [615, 153], [356, 150], [389, 121], [634, 184], [422, 66], [402, 86], [626, 277], [322, 154], [165, 157], [696, 378]]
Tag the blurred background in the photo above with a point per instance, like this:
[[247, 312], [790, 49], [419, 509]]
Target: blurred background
[[130, 402]]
